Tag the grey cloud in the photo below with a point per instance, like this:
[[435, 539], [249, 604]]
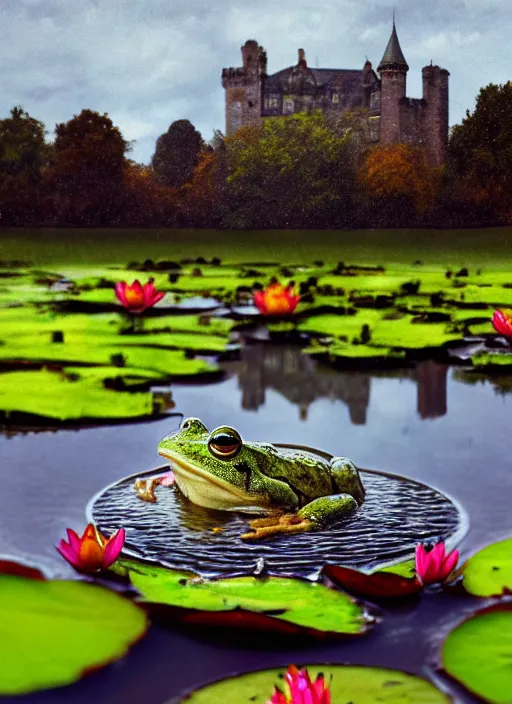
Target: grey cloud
[[151, 63]]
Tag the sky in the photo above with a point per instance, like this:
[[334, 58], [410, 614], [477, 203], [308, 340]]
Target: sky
[[149, 63]]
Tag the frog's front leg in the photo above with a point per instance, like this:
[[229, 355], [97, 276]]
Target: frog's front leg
[[346, 478], [316, 514], [145, 488]]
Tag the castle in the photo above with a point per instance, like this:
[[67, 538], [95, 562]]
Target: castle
[[252, 95]]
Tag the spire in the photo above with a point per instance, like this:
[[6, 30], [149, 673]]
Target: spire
[[393, 58]]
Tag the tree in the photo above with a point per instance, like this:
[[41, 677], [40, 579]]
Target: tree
[[480, 152], [290, 172], [146, 203], [177, 154], [23, 154], [86, 176], [398, 183]]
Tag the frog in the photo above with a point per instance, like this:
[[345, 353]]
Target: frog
[[293, 489]]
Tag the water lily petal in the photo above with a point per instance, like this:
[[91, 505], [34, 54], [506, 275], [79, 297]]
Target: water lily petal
[[449, 564], [502, 322], [73, 539], [91, 551], [421, 557], [113, 548], [278, 698], [157, 296], [120, 289], [259, 301], [68, 553]]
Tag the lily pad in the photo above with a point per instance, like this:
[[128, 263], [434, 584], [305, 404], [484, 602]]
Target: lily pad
[[52, 633], [354, 684], [53, 394], [380, 584], [309, 607], [478, 653], [489, 571]]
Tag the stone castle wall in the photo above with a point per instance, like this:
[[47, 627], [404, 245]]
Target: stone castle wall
[[393, 117]]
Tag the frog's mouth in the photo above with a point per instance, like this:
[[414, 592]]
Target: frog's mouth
[[205, 489]]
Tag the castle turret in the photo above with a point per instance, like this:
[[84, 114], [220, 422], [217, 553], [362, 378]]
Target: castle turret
[[435, 95], [243, 87], [393, 75]]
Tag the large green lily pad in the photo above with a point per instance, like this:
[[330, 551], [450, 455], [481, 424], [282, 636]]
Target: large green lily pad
[[67, 396], [51, 633], [478, 653], [349, 684], [309, 606], [489, 571]]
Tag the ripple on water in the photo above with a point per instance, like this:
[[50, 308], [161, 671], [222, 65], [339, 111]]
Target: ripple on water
[[397, 514]]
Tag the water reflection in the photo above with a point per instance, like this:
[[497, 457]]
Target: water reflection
[[302, 380]]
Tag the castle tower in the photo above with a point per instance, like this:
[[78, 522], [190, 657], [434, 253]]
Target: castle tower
[[243, 87], [393, 75], [435, 94]]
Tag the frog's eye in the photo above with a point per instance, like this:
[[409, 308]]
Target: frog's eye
[[224, 443]]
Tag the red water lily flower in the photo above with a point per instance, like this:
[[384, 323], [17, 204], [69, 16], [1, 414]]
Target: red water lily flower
[[502, 322], [137, 297], [435, 565], [276, 299], [301, 689], [91, 552]]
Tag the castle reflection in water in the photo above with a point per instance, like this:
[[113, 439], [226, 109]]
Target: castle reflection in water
[[302, 381]]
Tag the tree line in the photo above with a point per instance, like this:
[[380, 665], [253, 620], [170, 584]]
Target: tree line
[[301, 171]]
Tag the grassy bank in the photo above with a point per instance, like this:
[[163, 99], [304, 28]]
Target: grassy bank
[[489, 248]]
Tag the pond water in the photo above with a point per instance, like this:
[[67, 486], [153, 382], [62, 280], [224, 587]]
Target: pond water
[[423, 423]]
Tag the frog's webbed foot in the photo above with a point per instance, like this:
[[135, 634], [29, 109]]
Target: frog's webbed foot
[[277, 525], [145, 488]]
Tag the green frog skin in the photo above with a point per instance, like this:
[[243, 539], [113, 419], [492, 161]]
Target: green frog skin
[[219, 470]]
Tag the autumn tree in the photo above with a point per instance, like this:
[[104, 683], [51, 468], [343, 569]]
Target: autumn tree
[[398, 184], [86, 176], [203, 199], [177, 154], [480, 152], [23, 155], [146, 203], [289, 172]]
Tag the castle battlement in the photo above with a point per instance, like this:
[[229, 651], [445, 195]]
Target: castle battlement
[[252, 96]]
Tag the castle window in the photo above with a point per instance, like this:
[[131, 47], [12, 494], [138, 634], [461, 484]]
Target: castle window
[[335, 98], [236, 115], [272, 101], [374, 129], [375, 101], [288, 105]]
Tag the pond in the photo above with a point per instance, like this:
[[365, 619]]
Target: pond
[[423, 423]]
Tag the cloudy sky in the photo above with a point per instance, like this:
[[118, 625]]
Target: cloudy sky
[[150, 62]]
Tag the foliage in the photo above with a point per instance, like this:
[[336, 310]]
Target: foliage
[[298, 602], [350, 683], [23, 154], [399, 182], [291, 172], [480, 151], [145, 202], [52, 632], [203, 197], [477, 654], [177, 154], [489, 571], [86, 176]]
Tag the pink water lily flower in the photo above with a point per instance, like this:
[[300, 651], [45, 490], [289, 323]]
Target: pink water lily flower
[[276, 299], [137, 297], [91, 552], [502, 322], [301, 689], [435, 565]]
